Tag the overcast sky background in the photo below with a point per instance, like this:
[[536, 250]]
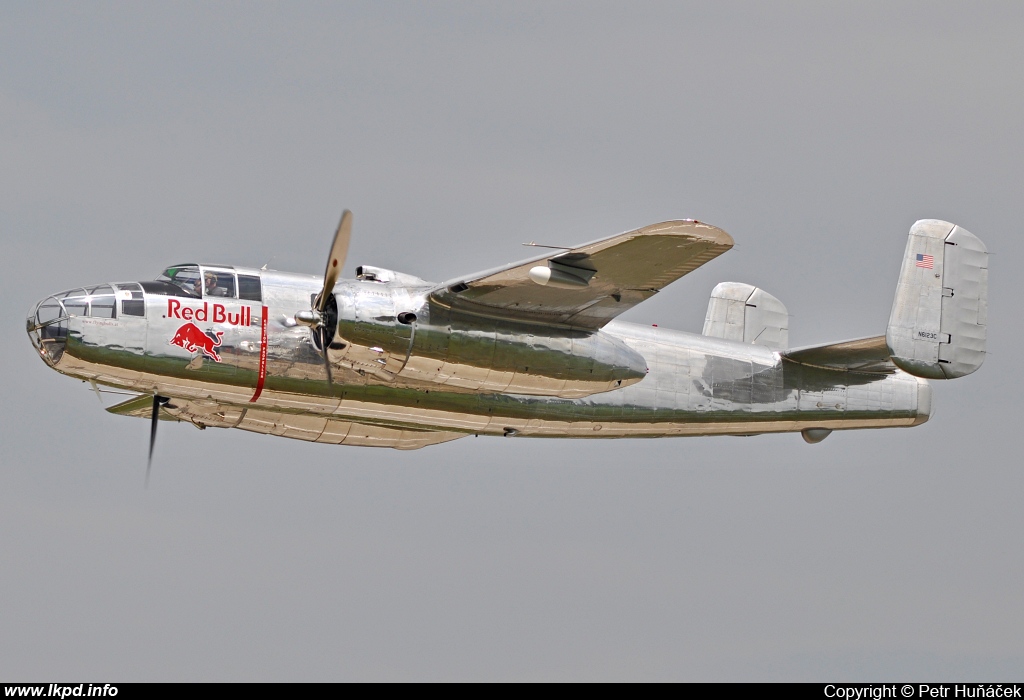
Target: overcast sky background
[[133, 136]]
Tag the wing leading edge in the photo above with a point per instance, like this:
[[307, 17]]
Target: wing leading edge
[[611, 275]]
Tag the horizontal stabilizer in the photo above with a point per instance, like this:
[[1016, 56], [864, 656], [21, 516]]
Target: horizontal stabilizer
[[747, 314], [939, 317], [869, 355]]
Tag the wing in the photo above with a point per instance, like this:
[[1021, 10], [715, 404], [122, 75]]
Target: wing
[[589, 285], [298, 426], [869, 355]]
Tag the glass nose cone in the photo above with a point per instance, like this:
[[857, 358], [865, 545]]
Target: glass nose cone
[[47, 327]]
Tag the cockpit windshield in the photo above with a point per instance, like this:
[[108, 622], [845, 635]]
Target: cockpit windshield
[[193, 281], [184, 277]]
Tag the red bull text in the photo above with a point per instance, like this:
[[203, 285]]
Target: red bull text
[[220, 314]]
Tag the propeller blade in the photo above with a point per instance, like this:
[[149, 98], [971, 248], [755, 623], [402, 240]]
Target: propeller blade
[[154, 421], [315, 318], [158, 401], [339, 250], [324, 340]]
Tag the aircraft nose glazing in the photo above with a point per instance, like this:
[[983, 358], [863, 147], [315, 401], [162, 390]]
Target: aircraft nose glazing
[[47, 327]]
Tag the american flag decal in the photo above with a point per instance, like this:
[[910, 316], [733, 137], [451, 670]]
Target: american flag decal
[[925, 261]]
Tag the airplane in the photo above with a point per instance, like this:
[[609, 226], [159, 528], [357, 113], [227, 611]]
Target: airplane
[[531, 349]]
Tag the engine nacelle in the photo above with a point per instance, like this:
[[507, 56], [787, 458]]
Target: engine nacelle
[[398, 336]]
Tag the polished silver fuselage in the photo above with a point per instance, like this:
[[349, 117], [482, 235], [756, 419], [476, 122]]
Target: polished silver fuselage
[[446, 375]]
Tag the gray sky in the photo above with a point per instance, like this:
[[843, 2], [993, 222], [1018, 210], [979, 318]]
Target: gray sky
[[137, 135]]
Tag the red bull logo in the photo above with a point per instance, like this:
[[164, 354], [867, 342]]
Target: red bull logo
[[191, 337]]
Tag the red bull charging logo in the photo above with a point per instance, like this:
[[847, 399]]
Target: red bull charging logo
[[191, 337]]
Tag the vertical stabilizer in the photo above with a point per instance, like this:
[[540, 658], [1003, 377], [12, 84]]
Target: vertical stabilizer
[[940, 314], [747, 314]]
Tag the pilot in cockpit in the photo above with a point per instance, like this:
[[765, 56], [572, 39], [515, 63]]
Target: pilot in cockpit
[[210, 284]]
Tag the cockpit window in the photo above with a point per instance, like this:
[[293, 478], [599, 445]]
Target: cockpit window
[[249, 288], [49, 328], [132, 302], [195, 282], [184, 277], [48, 312], [97, 302], [76, 302], [101, 302], [219, 283]]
